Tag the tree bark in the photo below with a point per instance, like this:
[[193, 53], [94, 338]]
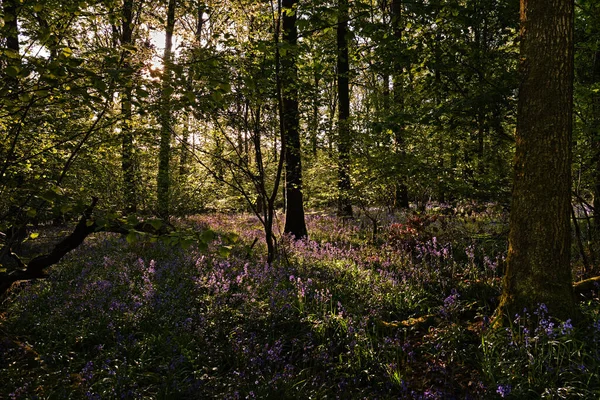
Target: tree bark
[[163, 179], [538, 265], [294, 217], [343, 88], [35, 268], [11, 29], [596, 138], [127, 146], [400, 189], [314, 129]]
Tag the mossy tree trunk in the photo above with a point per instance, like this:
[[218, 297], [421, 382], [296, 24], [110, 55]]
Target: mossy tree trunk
[[538, 265], [163, 179]]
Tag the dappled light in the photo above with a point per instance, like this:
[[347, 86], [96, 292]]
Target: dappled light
[[300, 199]]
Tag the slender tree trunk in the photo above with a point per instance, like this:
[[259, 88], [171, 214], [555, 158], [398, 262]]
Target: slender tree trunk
[[185, 145], [183, 150], [596, 140], [10, 37], [163, 180], [538, 265], [315, 116], [400, 189], [294, 218], [11, 29], [127, 149], [344, 140]]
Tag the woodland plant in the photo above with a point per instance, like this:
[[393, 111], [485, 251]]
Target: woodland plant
[[538, 356], [334, 315]]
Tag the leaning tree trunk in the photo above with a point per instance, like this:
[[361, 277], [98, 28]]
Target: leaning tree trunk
[[294, 217], [344, 141], [538, 265]]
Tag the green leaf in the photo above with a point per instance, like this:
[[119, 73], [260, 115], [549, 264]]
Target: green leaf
[[12, 54], [232, 238], [168, 91], [217, 96], [190, 96], [202, 246], [34, 235], [186, 243], [141, 93], [208, 236], [38, 8], [156, 223], [224, 251], [31, 212], [12, 71], [131, 237], [225, 87]]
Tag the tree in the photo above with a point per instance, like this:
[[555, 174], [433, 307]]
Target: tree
[[538, 264], [165, 117], [127, 142], [401, 191], [294, 218], [344, 141]]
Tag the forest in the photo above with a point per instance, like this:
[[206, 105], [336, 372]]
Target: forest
[[299, 199]]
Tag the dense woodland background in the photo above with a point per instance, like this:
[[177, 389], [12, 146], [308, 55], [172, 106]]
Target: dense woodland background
[[231, 129], [94, 104]]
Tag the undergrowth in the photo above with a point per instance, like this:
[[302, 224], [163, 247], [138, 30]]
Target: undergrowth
[[336, 316]]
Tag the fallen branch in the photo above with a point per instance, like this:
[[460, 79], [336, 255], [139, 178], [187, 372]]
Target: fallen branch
[[34, 269], [583, 289]]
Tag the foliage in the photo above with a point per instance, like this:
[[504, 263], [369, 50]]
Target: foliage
[[334, 315]]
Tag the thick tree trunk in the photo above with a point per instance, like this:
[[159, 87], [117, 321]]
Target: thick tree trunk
[[343, 88], [163, 179], [294, 218], [538, 265], [127, 147]]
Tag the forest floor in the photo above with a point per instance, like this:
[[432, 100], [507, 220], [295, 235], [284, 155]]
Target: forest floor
[[340, 315]]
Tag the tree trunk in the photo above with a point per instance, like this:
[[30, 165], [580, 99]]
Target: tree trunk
[[163, 179], [10, 31], [344, 140], [596, 139], [314, 131], [538, 265], [400, 189], [294, 217], [127, 146]]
